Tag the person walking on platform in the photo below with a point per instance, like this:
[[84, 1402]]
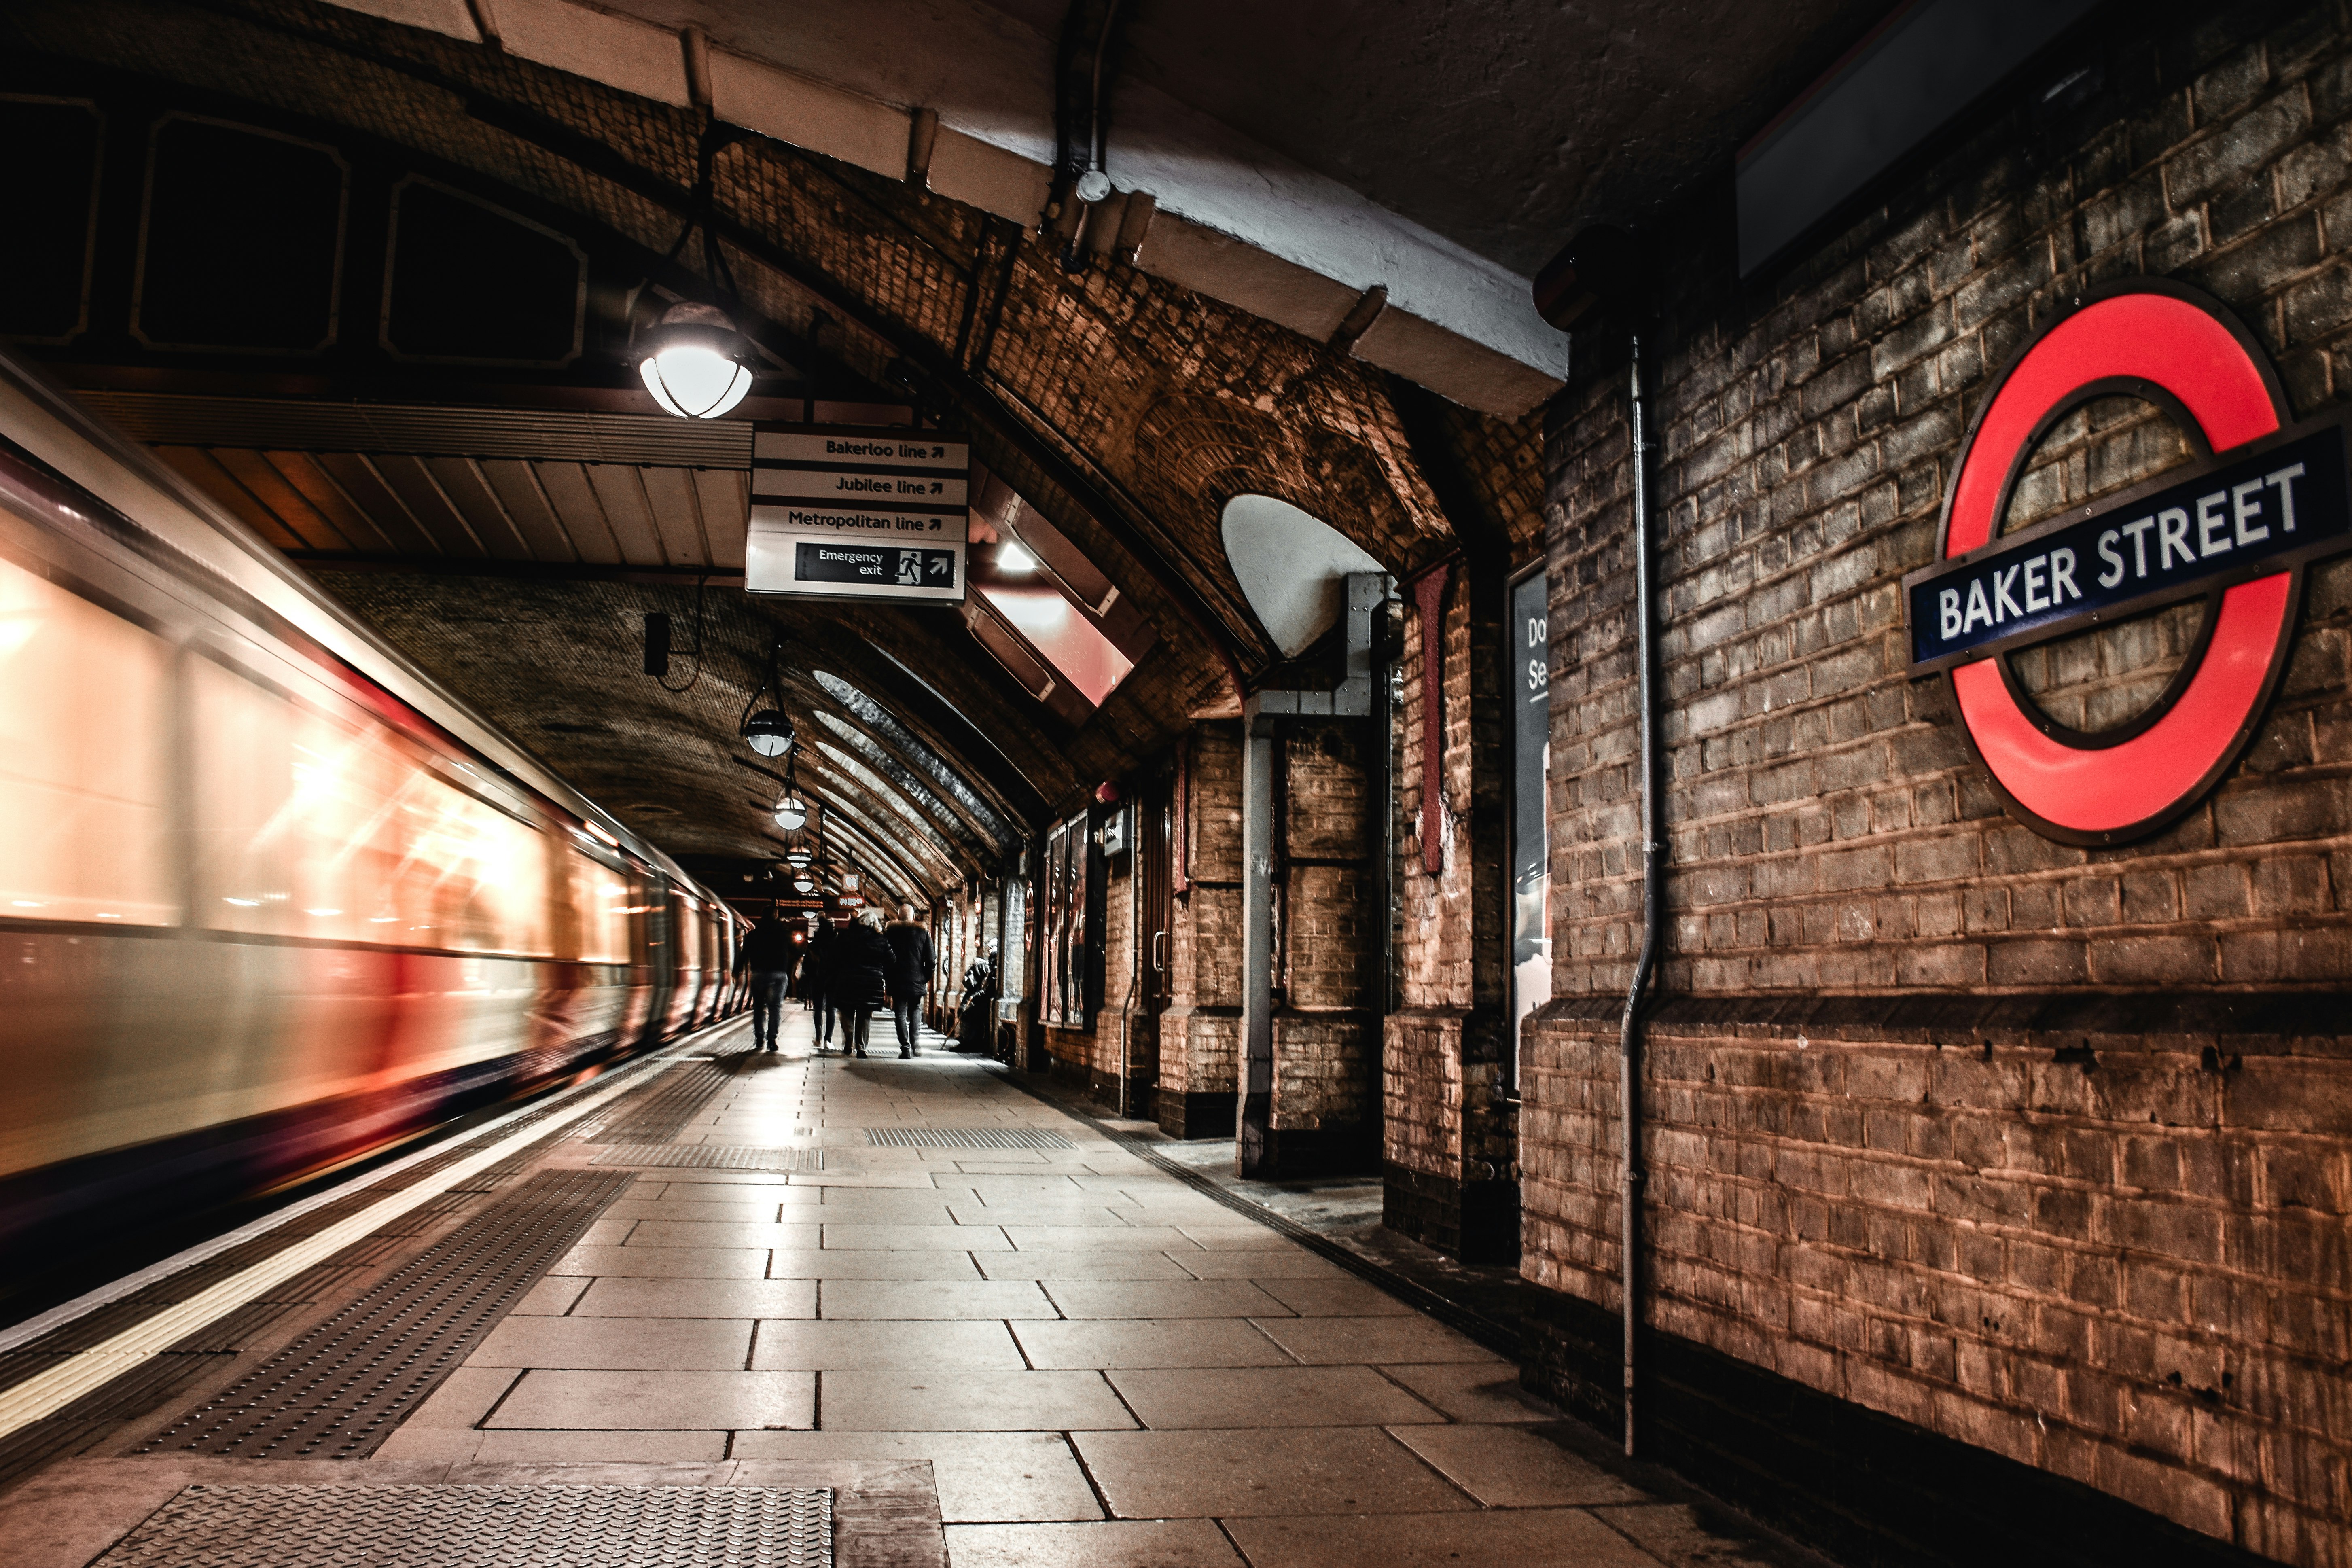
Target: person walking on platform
[[816, 969], [912, 963], [858, 979], [766, 957]]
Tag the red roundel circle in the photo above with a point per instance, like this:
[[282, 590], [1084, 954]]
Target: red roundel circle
[[2184, 345]]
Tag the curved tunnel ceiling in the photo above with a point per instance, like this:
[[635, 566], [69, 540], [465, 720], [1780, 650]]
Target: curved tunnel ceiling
[[511, 524]]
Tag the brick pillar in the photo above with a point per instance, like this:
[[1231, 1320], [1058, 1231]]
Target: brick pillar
[[1450, 1133], [1325, 1112], [1198, 1032]]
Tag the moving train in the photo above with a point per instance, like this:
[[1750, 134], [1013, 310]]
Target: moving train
[[269, 897]]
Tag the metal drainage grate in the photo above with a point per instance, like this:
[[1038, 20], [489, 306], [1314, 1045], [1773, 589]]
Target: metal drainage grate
[[709, 1157], [963, 1138], [482, 1527], [340, 1389]]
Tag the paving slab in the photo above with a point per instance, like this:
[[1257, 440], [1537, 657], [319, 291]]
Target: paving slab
[[1524, 1538], [1192, 1342], [936, 1298], [1112, 1543], [1273, 1396], [1512, 1466], [1240, 1474], [667, 1344], [984, 1477], [1164, 1299], [659, 1401], [628, 1297], [1418, 1340], [912, 1348], [973, 1402]]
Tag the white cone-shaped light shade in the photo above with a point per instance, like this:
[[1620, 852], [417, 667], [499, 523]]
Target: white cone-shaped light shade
[[803, 883], [694, 382], [792, 814]]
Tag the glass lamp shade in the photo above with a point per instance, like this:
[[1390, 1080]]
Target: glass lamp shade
[[792, 814], [768, 733], [693, 363], [803, 884], [799, 859]]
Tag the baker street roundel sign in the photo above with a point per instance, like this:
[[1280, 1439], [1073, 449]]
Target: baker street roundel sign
[[2234, 528]]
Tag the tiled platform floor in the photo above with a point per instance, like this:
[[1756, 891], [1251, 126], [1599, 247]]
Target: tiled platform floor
[[1104, 1367]]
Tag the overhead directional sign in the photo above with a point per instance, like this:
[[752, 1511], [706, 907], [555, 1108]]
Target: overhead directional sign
[[850, 512]]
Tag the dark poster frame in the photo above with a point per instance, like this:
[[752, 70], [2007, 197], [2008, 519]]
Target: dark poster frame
[[1527, 916], [1068, 981]]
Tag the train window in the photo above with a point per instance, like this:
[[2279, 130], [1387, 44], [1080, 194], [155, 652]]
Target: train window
[[329, 826], [599, 909], [89, 833]]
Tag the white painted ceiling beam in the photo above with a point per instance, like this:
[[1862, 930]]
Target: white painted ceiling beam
[[1234, 220]]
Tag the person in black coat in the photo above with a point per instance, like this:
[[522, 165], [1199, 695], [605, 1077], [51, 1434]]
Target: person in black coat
[[817, 968], [767, 957], [912, 963], [856, 981]]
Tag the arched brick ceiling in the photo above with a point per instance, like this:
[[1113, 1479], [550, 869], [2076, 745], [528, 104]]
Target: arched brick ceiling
[[1124, 408]]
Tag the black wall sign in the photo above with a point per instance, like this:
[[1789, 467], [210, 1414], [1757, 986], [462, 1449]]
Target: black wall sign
[[2268, 505], [882, 564]]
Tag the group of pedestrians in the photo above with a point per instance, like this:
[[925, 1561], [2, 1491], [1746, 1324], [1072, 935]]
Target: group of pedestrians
[[845, 974]]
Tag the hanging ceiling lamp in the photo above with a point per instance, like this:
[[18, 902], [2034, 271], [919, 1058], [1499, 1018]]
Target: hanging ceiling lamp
[[769, 732], [765, 727], [799, 859], [791, 812], [695, 361], [696, 364], [805, 884]]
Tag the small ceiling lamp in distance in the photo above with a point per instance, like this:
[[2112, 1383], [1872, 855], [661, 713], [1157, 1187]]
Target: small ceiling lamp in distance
[[791, 812], [696, 363], [805, 884], [769, 732], [799, 859]]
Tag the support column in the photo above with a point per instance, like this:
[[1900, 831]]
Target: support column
[[1254, 1154]]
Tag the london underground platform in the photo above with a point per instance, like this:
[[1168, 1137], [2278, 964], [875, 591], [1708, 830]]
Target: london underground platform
[[744, 1308]]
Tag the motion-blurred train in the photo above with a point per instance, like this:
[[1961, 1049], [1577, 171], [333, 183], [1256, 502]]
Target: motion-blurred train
[[269, 897]]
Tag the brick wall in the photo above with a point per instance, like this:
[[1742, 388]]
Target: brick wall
[[1448, 1133], [1327, 833], [1090, 1058], [2039, 1149], [1200, 1033]]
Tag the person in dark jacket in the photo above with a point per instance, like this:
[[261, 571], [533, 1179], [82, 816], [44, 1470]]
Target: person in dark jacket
[[817, 968], [856, 980], [767, 957], [912, 963]]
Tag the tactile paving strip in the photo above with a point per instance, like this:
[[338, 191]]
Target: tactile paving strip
[[340, 1389], [963, 1138], [482, 1527], [708, 1157], [663, 1107]]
